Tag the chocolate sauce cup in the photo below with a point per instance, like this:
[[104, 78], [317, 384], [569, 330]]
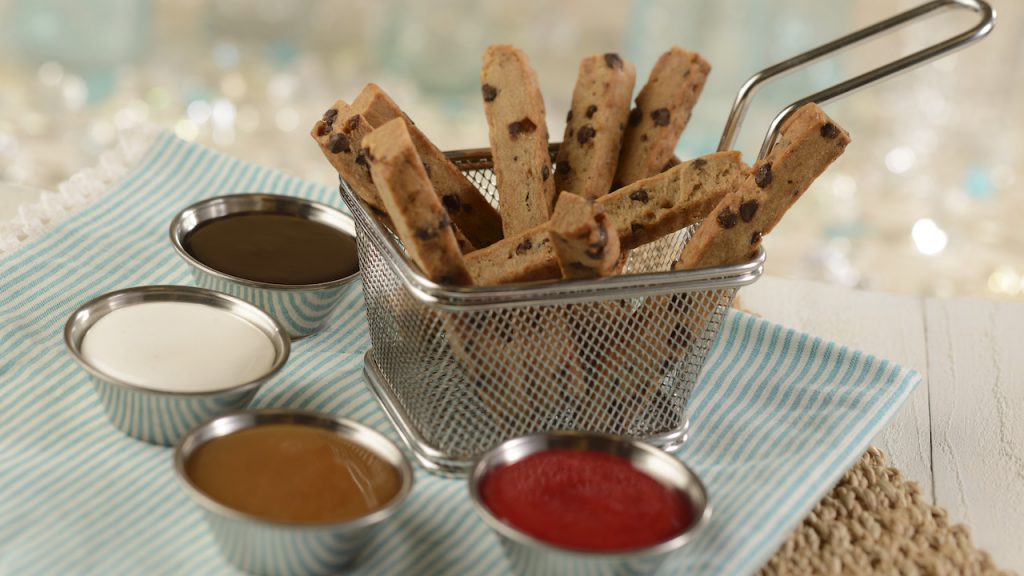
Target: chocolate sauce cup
[[260, 546], [159, 416], [303, 309], [529, 555]]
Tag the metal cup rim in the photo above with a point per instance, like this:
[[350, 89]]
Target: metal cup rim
[[261, 416], [521, 447], [174, 293], [178, 232]]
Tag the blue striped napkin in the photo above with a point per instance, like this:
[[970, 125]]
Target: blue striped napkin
[[777, 418]]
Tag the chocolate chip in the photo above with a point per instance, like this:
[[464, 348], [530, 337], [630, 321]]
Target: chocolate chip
[[591, 110], [613, 60], [639, 195], [424, 234], [636, 228], [635, 115], [755, 237], [330, 115], [727, 218], [568, 117], [545, 172], [490, 92], [339, 143], [352, 124], [748, 209], [562, 167], [450, 202], [596, 250], [361, 159], [321, 128], [585, 134], [699, 163], [524, 126], [661, 117], [524, 246], [763, 176], [829, 130]]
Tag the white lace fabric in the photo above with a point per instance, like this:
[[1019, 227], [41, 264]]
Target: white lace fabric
[[80, 190]]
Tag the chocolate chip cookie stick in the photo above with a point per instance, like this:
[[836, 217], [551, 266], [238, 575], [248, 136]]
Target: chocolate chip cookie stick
[[640, 213], [585, 241], [810, 141], [595, 126], [340, 135], [662, 111], [519, 138], [420, 221], [468, 208]]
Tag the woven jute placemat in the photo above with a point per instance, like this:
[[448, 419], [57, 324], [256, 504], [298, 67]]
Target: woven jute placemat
[[876, 522]]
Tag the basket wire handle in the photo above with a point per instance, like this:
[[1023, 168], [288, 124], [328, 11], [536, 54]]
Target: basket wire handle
[[739, 108]]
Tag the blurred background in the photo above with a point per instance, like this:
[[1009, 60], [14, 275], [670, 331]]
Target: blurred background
[[926, 201]]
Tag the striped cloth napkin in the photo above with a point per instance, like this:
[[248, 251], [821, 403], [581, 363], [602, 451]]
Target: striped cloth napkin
[[777, 418]]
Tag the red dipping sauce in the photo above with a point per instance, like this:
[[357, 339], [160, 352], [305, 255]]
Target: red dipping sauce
[[585, 500]]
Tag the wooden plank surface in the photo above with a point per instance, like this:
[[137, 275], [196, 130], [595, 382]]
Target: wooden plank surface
[[884, 325], [976, 371]]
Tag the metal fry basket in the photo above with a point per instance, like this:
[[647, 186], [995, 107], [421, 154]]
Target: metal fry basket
[[459, 370]]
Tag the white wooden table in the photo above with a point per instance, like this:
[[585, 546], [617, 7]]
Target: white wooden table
[[961, 433]]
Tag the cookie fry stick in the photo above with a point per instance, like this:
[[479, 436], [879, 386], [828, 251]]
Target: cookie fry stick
[[420, 221], [519, 138], [340, 134], [662, 111], [468, 208], [640, 213], [595, 126], [583, 238], [810, 141]]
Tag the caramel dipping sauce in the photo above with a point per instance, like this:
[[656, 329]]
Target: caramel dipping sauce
[[293, 473], [274, 248]]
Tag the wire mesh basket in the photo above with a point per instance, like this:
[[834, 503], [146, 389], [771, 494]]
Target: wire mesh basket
[[459, 370]]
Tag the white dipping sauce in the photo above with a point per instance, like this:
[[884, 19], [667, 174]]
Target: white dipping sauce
[[178, 347]]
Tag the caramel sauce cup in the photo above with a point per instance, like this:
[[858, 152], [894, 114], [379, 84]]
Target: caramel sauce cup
[[260, 546]]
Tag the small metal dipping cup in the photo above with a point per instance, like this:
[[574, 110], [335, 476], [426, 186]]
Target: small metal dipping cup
[[302, 309], [261, 546], [529, 555], [159, 416]]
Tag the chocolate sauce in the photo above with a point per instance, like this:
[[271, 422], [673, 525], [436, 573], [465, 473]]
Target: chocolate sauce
[[274, 248]]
